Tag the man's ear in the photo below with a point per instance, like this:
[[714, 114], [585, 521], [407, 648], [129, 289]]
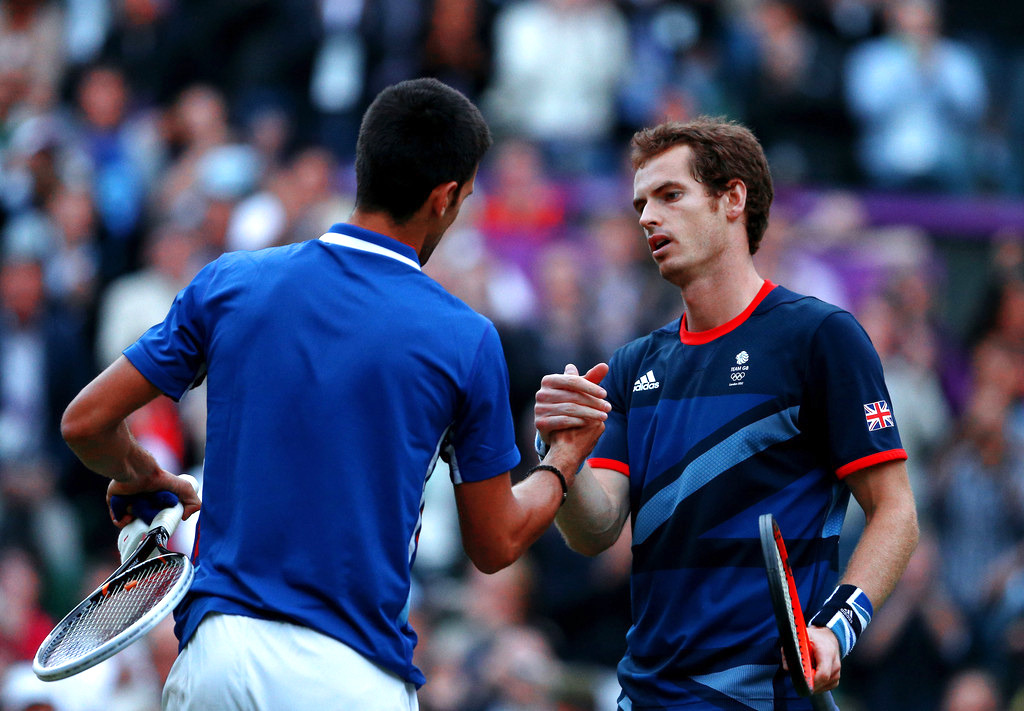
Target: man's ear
[[442, 198], [735, 199]]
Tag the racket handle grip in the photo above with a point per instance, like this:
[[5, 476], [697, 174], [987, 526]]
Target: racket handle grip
[[170, 517], [130, 537]]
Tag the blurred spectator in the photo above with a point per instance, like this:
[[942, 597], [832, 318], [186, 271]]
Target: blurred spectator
[[315, 173], [920, 635], [24, 623], [918, 99], [795, 105], [972, 690], [138, 43], [298, 202], [457, 45], [796, 256], [73, 271], [393, 31], [20, 690], [679, 51], [37, 163], [1002, 642], [32, 57], [196, 125], [979, 490], [224, 44], [993, 28], [628, 300], [136, 301], [43, 363], [558, 65], [566, 335], [265, 217], [523, 209], [338, 82], [521, 671], [124, 155], [909, 359]]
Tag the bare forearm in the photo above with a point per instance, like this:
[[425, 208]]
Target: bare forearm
[[95, 425], [113, 453], [592, 518], [883, 552]]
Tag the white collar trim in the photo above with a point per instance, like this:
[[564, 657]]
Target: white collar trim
[[364, 246]]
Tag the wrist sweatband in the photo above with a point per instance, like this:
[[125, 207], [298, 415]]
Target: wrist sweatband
[[847, 613], [556, 472], [540, 446]]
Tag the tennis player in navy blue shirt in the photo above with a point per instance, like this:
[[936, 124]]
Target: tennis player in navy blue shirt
[[337, 373], [756, 400]]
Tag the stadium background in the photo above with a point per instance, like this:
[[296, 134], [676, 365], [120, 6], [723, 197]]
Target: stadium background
[[141, 138]]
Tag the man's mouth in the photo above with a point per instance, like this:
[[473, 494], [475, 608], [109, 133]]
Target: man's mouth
[[656, 242]]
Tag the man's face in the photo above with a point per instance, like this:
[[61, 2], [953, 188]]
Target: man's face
[[684, 226], [449, 217]]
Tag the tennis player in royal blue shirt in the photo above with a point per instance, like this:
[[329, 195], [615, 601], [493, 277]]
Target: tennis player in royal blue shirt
[[757, 400], [337, 374]]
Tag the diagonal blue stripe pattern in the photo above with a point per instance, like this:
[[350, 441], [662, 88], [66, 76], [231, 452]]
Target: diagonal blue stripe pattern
[[742, 444]]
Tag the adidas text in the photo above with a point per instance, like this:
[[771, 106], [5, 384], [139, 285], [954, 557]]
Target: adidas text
[[647, 381]]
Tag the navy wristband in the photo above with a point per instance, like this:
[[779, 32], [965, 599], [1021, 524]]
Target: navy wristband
[[847, 613]]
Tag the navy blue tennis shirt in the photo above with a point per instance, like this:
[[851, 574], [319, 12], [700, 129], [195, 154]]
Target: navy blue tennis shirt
[[337, 371], [766, 413]]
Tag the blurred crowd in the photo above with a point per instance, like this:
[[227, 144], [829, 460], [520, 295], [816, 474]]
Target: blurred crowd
[[139, 139]]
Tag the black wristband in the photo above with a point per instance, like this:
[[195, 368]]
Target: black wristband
[[556, 472]]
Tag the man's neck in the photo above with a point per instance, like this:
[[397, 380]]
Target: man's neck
[[713, 301], [410, 233]]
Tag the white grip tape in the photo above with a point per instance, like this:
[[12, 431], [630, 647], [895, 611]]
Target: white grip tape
[[130, 537], [132, 534], [169, 518]]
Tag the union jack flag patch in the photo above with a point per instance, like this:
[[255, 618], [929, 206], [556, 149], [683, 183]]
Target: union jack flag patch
[[878, 415]]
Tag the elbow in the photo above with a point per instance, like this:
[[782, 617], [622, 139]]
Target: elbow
[[78, 425], [494, 556], [587, 547], [74, 427], [913, 527], [492, 562]]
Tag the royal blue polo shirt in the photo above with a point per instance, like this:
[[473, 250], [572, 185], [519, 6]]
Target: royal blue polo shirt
[[337, 374]]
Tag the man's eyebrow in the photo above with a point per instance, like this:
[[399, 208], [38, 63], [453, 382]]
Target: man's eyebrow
[[639, 202]]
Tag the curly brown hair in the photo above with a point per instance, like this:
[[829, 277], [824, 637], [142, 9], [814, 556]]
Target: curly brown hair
[[723, 151]]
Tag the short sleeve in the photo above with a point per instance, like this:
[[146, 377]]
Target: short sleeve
[[172, 354], [612, 450], [483, 441], [847, 405]]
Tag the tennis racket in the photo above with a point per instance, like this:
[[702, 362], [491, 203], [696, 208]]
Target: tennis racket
[[147, 586], [796, 646]]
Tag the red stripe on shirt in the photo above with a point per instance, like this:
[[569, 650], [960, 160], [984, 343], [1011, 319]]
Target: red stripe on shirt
[[599, 463], [864, 462]]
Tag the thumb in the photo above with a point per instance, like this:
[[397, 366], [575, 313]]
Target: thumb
[[570, 369], [597, 373]]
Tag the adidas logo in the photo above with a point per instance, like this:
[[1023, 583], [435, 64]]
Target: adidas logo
[[647, 381]]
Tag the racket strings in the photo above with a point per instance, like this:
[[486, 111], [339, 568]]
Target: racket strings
[[118, 605]]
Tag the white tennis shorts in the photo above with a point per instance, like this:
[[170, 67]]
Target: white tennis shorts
[[236, 663]]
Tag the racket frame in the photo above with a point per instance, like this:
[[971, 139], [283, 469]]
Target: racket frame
[[789, 616], [152, 548]]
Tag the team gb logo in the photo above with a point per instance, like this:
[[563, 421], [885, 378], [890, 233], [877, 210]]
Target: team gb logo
[[742, 357]]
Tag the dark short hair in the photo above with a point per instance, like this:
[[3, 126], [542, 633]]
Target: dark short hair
[[723, 151], [416, 135]]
